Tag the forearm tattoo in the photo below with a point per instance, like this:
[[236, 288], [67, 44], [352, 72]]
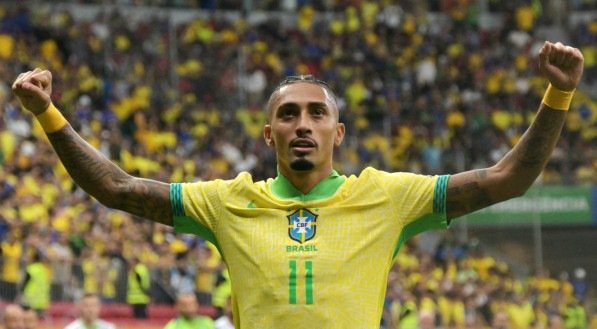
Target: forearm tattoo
[[109, 184], [512, 175], [536, 145]]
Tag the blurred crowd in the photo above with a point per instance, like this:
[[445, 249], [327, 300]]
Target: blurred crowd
[[459, 285], [425, 87], [321, 5]]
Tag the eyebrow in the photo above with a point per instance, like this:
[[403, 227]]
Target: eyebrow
[[310, 105]]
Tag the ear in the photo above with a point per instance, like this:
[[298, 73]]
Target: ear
[[340, 131], [267, 135]]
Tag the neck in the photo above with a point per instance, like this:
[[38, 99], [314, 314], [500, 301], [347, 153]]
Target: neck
[[88, 322], [305, 181]]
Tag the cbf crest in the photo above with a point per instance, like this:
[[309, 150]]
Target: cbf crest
[[301, 225]]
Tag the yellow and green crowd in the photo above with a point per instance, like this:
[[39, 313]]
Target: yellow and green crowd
[[428, 87]]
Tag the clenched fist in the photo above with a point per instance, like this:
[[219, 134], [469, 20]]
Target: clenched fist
[[33, 89], [562, 65]]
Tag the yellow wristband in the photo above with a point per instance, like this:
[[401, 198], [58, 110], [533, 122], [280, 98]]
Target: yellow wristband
[[51, 119], [558, 99]]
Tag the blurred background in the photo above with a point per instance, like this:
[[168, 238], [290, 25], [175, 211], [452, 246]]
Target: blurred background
[[175, 91]]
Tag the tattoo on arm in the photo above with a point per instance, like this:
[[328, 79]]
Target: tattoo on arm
[[149, 199], [536, 145], [105, 181], [469, 196], [513, 174]]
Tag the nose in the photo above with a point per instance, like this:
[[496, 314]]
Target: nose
[[304, 123]]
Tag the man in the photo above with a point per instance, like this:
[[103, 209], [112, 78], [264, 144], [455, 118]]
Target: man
[[182, 275], [187, 306], [311, 248], [30, 318], [89, 310], [13, 317], [138, 286], [223, 318], [36, 286], [11, 250]]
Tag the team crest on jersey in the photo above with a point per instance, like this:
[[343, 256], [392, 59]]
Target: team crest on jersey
[[301, 225]]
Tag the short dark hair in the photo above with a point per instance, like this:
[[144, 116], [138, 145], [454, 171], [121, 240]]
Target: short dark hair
[[291, 79], [306, 78]]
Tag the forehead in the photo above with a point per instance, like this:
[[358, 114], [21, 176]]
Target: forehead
[[301, 92], [12, 312], [90, 300], [186, 299]]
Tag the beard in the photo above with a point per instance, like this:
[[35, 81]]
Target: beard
[[302, 164]]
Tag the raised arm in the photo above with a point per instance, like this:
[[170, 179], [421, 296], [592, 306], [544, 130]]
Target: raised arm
[[93, 172], [516, 171]]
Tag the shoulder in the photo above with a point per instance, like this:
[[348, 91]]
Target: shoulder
[[240, 185], [211, 189], [242, 179], [395, 181], [204, 319], [73, 325], [366, 174], [170, 324], [105, 325], [371, 173], [203, 322], [141, 267]]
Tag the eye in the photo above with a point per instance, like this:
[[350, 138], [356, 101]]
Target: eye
[[318, 111], [286, 113]]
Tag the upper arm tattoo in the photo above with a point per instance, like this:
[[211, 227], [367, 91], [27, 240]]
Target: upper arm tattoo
[[466, 193], [149, 199]]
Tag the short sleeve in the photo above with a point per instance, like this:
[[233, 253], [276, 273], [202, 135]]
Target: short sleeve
[[419, 203], [415, 196], [195, 207]]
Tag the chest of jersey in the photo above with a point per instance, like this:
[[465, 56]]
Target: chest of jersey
[[303, 262], [308, 255]]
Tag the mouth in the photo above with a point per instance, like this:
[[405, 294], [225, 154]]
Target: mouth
[[302, 146]]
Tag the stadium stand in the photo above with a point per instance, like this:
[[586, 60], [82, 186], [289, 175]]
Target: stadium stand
[[176, 94]]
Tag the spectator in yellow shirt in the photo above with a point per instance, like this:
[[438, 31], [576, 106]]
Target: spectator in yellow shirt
[[12, 251]]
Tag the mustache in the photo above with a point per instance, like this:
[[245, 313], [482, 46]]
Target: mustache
[[303, 141]]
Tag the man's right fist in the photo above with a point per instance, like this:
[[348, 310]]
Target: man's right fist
[[33, 89]]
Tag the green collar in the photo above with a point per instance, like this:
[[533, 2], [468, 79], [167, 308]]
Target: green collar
[[283, 188]]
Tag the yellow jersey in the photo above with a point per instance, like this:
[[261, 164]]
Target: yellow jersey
[[11, 268], [316, 260]]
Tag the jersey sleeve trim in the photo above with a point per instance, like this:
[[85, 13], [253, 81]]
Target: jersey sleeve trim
[[433, 221], [186, 224], [176, 200], [439, 194]]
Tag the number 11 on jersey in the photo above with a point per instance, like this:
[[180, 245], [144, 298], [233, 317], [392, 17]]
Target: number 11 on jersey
[[308, 281]]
